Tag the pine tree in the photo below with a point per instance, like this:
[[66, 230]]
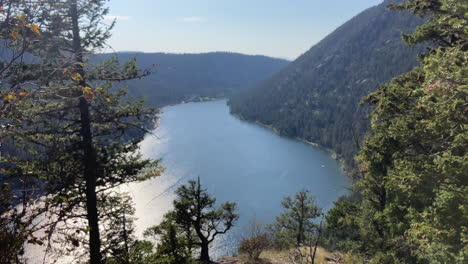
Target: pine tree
[[194, 208], [19, 31], [174, 244], [298, 216], [414, 161], [81, 133]]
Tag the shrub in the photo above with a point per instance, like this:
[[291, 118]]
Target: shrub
[[256, 241]]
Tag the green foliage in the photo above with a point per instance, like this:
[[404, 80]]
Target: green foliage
[[174, 243], [342, 227], [415, 160], [19, 31], [255, 241], [296, 222], [192, 226], [194, 208], [141, 252], [12, 231], [63, 110], [447, 24], [172, 248], [281, 239], [415, 184]]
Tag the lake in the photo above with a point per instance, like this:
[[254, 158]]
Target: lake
[[236, 161]]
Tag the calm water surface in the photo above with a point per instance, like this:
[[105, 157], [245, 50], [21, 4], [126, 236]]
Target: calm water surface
[[236, 161]]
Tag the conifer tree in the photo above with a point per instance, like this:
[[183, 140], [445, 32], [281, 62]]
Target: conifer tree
[[19, 31], [415, 182], [297, 218], [174, 242], [193, 224], [81, 133], [194, 207]]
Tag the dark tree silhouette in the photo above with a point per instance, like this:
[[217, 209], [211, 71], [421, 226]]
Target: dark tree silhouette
[[195, 207]]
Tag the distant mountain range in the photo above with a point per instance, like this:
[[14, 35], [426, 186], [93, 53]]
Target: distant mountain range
[[316, 97], [187, 77]]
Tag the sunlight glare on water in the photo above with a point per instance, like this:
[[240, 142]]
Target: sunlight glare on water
[[236, 161]]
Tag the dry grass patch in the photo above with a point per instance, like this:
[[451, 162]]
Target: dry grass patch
[[284, 257]]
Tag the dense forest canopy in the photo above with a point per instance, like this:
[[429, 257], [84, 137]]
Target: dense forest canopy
[[410, 205], [317, 96]]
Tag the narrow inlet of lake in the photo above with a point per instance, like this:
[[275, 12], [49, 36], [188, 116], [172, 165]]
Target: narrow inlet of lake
[[236, 161]]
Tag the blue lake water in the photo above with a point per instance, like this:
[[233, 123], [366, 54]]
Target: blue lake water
[[236, 161]]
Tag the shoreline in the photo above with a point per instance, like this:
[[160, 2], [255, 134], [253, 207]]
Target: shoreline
[[200, 100], [332, 153]]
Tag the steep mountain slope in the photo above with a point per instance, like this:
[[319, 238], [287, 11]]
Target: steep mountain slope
[[317, 97], [180, 77]]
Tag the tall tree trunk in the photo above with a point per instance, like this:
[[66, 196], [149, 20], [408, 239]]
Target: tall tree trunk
[[318, 239], [90, 177], [204, 254], [299, 237], [90, 159], [125, 238]]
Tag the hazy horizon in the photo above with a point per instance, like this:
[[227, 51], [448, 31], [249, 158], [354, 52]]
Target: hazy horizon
[[271, 28]]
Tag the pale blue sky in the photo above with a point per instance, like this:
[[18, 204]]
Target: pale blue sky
[[278, 28]]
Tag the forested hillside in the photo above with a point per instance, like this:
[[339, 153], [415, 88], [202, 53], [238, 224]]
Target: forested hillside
[[182, 77], [64, 180], [317, 97], [414, 189]]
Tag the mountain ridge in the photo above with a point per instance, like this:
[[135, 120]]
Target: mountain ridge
[[316, 97], [182, 77]]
